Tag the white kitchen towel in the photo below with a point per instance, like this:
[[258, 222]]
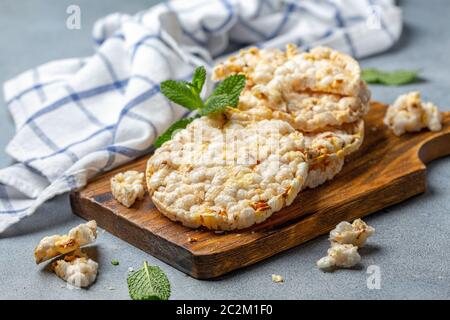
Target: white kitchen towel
[[76, 118]]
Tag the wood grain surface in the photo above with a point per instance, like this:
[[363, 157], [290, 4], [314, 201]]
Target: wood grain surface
[[385, 171]]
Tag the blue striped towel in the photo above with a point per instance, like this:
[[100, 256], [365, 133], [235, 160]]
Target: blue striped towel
[[76, 118]]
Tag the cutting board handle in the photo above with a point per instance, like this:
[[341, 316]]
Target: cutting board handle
[[436, 144]]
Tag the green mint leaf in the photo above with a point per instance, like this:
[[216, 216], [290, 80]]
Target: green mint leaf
[[114, 262], [180, 93], [216, 103], [148, 283], [167, 135], [394, 78], [199, 78], [232, 86]]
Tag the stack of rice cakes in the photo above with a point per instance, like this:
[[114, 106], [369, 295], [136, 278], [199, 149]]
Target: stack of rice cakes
[[298, 117]]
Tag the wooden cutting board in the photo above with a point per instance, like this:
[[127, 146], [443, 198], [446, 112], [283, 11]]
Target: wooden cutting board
[[386, 170]]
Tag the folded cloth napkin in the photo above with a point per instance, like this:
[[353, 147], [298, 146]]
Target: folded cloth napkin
[[76, 118]]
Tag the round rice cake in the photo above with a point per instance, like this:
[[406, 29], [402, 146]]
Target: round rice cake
[[321, 70], [235, 176], [326, 151], [321, 172], [311, 90], [306, 112], [332, 142], [257, 65]]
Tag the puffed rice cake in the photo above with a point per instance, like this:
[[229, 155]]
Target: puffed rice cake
[[201, 184], [326, 151], [310, 90]]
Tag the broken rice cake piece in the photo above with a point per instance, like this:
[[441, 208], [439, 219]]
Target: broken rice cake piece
[[340, 255], [76, 269], [52, 246], [127, 187], [410, 114], [345, 240], [355, 233]]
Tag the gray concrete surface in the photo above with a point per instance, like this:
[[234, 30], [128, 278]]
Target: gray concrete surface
[[412, 243]]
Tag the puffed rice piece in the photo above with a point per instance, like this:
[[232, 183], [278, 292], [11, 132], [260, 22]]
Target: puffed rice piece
[[208, 184], [355, 233], [309, 111], [76, 269], [410, 114], [52, 246], [127, 187], [277, 278], [339, 256]]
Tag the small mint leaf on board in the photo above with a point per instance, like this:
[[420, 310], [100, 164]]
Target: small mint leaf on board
[[180, 93], [393, 78], [199, 78], [148, 283], [215, 104], [231, 86], [167, 135]]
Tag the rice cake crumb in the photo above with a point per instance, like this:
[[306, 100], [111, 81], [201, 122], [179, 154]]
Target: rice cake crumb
[[277, 278], [339, 255], [355, 233], [410, 114], [127, 187]]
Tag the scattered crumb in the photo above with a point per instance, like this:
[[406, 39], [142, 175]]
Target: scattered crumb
[[192, 239], [130, 269], [277, 278], [111, 288]]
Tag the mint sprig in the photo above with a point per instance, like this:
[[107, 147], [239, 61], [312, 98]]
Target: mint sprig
[[393, 78], [232, 87], [148, 283], [187, 94], [167, 135], [182, 93]]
